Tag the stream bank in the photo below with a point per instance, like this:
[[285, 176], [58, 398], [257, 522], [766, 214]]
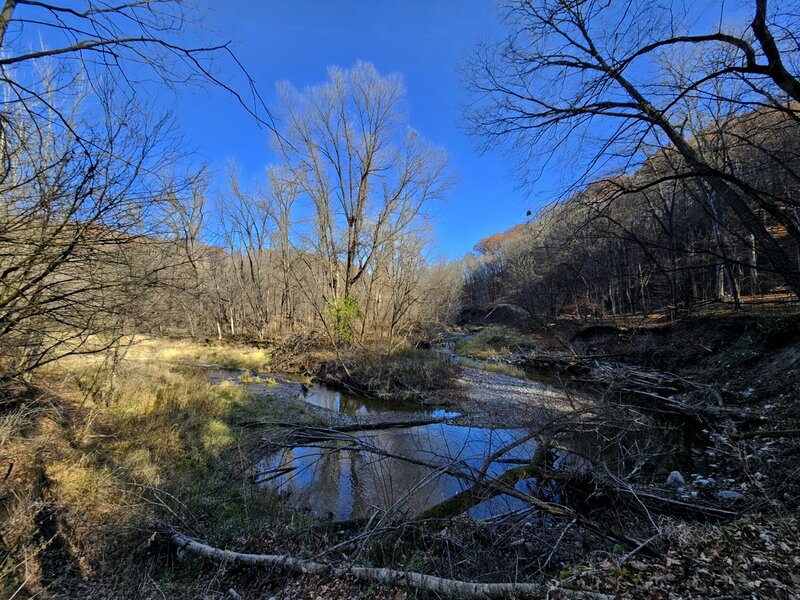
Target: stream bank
[[622, 526], [712, 496], [188, 444]]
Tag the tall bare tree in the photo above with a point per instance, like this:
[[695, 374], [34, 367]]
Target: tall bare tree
[[366, 174]]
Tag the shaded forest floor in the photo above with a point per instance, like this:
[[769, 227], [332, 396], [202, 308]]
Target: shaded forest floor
[[97, 477], [751, 434]]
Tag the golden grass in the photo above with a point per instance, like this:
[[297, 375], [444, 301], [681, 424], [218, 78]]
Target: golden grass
[[190, 351], [164, 447]]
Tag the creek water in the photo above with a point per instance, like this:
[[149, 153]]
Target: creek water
[[343, 479], [359, 406], [398, 469]]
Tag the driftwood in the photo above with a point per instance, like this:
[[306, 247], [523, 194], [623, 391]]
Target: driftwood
[[350, 427], [663, 387], [430, 583], [668, 390], [671, 506], [564, 362], [486, 488]]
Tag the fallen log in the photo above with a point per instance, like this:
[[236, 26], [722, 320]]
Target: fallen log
[[660, 385], [430, 583], [350, 427], [666, 505], [489, 487], [485, 487], [484, 490]]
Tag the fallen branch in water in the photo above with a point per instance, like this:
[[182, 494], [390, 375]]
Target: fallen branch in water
[[375, 426], [430, 583], [483, 488], [488, 487]]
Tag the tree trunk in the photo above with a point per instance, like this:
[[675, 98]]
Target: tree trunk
[[5, 18], [779, 260], [438, 585]]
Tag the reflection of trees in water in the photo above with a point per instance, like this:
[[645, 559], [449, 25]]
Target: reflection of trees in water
[[347, 483], [340, 402]]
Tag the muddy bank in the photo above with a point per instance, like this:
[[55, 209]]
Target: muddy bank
[[751, 358]]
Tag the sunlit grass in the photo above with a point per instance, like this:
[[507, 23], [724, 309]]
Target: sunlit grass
[[494, 340], [228, 356], [124, 461]]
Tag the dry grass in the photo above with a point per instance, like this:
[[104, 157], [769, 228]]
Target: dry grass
[[496, 367], [95, 474], [494, 340], [192, 351]]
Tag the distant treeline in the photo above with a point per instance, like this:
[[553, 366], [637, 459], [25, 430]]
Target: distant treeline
[[659, 238], [104, 235]]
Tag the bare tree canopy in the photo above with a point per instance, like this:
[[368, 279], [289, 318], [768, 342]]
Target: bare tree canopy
[[367, 175], [615, 82], [134, 43], [90, 170]]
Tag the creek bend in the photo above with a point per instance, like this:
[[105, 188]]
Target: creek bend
[[407, 469], [342, 479]]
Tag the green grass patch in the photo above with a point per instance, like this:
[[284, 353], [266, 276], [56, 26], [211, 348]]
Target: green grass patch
[[496, 367], [494, 340]]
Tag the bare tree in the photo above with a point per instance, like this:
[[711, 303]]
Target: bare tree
[[87, 226], [613, 79], [284, 194], [75, 233], [135, 43], [366, 174]]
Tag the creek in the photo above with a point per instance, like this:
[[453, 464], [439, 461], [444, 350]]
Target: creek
[[342, 478], [337, 481]]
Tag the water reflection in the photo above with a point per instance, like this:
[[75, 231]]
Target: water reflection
[[322, 396], [348, 404], [337, 481], [333, 479]]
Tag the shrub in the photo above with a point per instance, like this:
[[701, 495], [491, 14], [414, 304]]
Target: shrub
[[342, 312], [405, 374]]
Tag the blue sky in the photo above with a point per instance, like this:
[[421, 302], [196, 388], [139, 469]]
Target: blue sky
[[425, 40]]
